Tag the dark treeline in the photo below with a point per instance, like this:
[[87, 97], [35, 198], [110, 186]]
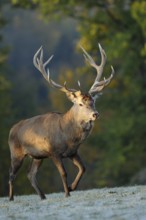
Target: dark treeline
[[116, 149]]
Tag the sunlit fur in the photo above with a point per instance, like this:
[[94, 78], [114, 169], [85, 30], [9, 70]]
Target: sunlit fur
[[52, 135], [56, 135]]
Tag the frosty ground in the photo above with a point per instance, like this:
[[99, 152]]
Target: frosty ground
[[109, 203]]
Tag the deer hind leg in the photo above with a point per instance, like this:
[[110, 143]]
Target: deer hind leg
[[77, 162], [59, 164], [32, 176], [15, 166]]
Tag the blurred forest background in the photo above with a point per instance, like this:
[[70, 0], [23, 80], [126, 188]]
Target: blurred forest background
[[115, 152]]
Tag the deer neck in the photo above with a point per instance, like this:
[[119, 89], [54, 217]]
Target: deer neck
[[69, 117], [74, 119]]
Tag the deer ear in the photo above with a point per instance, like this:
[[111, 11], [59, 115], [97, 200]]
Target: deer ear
[[74, 96], [77, 93], [71, 96]]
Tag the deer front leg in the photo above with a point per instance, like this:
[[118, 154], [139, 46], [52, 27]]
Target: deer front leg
[[59, 164], [77, 162]]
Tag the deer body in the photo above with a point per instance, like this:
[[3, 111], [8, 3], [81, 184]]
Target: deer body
[[56, 135], [49, 135]]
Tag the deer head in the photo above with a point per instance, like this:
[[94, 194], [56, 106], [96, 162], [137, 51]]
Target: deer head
[[85, 103]]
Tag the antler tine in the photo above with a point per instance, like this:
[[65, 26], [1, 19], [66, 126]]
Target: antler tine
[[107, 81], [38, 63], [103, 61], [58, 86], [79, 84], [90, 60], [35, 60], [98, 85], [53, 83]]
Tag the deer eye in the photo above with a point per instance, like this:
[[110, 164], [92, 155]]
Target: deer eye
[[80, 104]]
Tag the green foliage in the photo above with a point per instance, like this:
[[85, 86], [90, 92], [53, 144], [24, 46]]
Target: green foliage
[[138, 11]]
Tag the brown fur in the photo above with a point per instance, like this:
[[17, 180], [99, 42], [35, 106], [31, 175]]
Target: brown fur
[[52, 135], [56, 135]]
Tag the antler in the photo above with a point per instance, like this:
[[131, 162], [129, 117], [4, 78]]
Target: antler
[[38, 63], [98, 85]]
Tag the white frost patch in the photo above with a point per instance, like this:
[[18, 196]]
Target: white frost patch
[[123, 203]]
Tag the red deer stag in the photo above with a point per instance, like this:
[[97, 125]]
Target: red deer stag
[[56, 135]]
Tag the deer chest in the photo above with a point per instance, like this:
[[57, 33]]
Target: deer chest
[[76, 140]]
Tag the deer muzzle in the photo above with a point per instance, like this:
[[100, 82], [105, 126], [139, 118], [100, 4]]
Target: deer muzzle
[[95, 115]]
